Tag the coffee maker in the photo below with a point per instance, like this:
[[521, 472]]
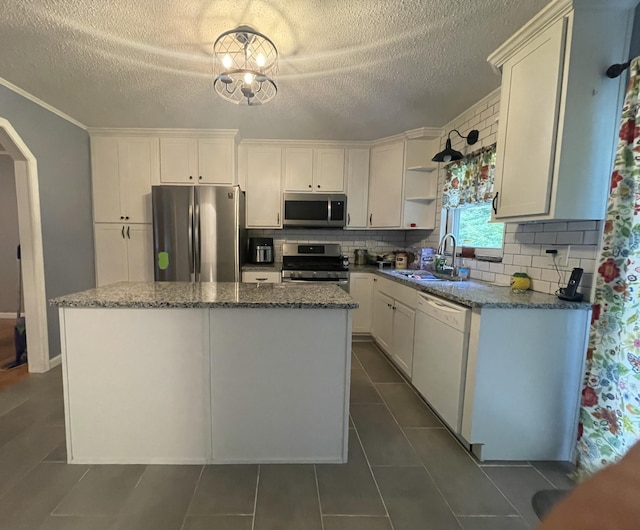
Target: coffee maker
[[260, 250]]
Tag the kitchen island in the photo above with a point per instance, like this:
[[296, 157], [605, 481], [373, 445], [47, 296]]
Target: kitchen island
[[172, 372]]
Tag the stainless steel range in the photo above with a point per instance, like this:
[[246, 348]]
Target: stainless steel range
[[315, 263]]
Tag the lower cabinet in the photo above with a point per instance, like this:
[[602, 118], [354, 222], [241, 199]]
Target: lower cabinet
[[260, 277], [394, 321], [361, 290], [123, 253]]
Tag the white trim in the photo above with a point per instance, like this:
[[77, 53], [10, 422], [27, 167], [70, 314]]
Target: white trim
[[173, 133], [305, 143], [41, 103], [55, 361], [10, 315], [550, 14], [30, 230]]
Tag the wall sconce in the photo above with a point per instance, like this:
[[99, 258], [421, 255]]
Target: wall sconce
[[451, 155]]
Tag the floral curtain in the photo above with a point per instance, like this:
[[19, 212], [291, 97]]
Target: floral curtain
[[470, 180], [610, 412]]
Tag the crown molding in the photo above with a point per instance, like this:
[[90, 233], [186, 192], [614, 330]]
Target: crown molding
[[549, 15], [306, 143], [173, 133], [41, 103]]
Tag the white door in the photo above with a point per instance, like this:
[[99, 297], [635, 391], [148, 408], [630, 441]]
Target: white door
[[140, 252], [361, 290], [139, 166], [264, 198], [531, 82], [383, 320], [403, 326], [298, 169], [111, 253], [385, 185], [105, 172], [328, 171], [216, 161], [179, 160], [357, 187]]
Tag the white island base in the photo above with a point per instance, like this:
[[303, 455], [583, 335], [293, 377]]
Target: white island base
[[200, 385]]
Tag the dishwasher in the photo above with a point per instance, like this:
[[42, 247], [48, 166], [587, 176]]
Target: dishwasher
[[440, 356]]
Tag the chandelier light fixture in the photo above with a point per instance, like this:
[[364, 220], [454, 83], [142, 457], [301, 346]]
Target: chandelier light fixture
[[245, 64]]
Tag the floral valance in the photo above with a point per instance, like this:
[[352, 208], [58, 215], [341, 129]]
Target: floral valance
[[470, 180]]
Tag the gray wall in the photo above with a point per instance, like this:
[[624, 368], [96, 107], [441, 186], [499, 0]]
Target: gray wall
[[8, 237], [62, 152], [635, 36]]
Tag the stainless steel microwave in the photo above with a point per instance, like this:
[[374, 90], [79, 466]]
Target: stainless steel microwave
[[315, 210]]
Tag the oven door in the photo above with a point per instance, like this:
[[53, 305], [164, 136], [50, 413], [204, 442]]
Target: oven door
[[343, 284]]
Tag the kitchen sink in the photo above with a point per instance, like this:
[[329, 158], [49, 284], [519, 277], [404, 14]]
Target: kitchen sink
[[424, 276]]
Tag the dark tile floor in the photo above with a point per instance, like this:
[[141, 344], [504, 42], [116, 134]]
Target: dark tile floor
[[405, 472]]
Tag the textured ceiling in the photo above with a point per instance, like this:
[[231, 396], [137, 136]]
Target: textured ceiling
[[349, 69]]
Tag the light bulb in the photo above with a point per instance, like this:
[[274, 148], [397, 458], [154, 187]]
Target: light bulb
[[248, 78], [260, 60], [227, 61], [446, 158]]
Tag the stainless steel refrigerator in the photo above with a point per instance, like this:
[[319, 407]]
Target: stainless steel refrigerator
[[198, 233]]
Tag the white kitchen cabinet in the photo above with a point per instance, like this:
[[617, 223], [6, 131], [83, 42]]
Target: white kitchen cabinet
[[123, 170], [357, 185], [361, 290], [559, 112], [383, 320], [403, 327], [313, 170], [186, 160], [261, 277], [264, 195], [394, 321], [123, 253], [385, 185]]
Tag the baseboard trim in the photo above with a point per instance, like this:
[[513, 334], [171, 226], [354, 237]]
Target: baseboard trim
[[361, 337], [55, 361]]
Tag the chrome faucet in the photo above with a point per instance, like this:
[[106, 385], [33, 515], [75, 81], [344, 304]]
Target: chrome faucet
[[441, 249]]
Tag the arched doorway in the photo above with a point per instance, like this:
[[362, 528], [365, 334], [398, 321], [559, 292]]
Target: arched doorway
[[30, 230]]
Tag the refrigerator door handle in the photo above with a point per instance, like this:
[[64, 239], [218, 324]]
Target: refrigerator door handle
[[190, 240], [197, 240]]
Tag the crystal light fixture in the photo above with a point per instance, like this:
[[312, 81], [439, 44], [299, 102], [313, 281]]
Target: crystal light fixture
[[245, 64]]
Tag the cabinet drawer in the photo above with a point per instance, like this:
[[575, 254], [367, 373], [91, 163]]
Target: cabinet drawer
[[402, 293], [260, 277]]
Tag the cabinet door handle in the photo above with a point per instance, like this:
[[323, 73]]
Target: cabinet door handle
[[200, 177], [122, 231], [375, 279], [348, 218], [122, 217], [261, 279], [310, 186], [278, 218], [370, 219], [494, 203], [318, 185], [128, 236]]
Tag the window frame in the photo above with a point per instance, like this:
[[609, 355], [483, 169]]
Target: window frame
[[450, 223]]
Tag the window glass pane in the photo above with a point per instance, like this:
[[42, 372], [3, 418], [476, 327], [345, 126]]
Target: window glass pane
[[475, 230]]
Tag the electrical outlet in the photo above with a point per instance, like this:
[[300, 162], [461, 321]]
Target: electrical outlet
[[562, 255]]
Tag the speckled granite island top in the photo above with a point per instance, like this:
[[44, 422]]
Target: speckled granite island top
[[205, 295], [475, 293]]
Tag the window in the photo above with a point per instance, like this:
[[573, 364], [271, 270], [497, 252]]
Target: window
[[472, 228]]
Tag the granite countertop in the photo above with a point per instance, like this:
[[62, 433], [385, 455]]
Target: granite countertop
[[210, 294], [264, 267], [476, 293]]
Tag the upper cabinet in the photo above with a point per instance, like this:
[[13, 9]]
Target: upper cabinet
[[357, 184], [385, 185], [314, 170], [123, 170], [186, 160], [263, 183], [559, 112]]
